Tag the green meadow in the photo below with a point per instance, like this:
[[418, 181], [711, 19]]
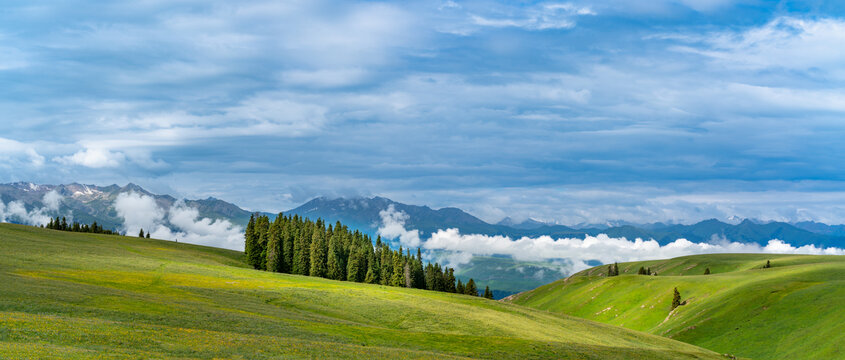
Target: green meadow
[[793, 310], [86, 296]]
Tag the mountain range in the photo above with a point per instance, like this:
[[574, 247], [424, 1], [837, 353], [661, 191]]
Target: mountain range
[[88, 203], [364, 213]]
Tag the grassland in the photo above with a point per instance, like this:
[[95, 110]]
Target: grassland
[[793, 310], [85, 296]]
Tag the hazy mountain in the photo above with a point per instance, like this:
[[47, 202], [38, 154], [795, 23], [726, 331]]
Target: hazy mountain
[[364, 213], [89, 203], [821, 228], [526, 224]]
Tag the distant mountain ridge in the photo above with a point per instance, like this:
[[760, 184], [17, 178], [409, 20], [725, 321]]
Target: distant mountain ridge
[[88, 203], [364, 213]]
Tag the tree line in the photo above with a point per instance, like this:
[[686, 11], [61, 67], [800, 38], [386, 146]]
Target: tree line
[[297, 245], [62, 225]]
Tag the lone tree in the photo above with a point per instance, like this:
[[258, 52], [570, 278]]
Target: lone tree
[[707, 271], [676, 299], [148, 235], [768, 264], [487, 293], [141, 234], [613, 270], [470, 288]]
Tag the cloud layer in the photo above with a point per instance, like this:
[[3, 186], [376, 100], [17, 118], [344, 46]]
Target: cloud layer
[[521, 109], [393, 227], [180, 222], [16, 210], [602, 248]]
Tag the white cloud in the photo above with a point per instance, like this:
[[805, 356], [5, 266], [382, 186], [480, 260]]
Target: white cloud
[[17, 151], [93, 158], [393, 226], [785, 42], [541, 17], [138, 212], [193, 229], [601, 248], [16, 211], [52, 200], [180, 222]]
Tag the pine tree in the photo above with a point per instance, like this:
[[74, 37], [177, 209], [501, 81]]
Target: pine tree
[[417, 274], [398, 276], [262, 226], [460, 288], [274, 246], [386, 271], [287, 247], [304, 254], [707, 271], [470, 288], [648, 271], [676, 299], [50, 224], [407, 273], [641, 271], [334, 271], [64, 223], [141, 234], [768, 264], [449, 280], [249, 239], [372, 269], [487, 293], [318, 255], [355, 266], [613, 270], [148, 235]]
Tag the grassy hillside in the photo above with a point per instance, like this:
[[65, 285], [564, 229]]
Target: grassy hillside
[[793, 310], [84, 296]]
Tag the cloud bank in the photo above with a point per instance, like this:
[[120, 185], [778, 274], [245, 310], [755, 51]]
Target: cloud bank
[[393, 226], [180, 222], [16, 211], [602, 248]]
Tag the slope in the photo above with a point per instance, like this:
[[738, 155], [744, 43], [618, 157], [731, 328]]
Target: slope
[[792, 310], [84, 296]]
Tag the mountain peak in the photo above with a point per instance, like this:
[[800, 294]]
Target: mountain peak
[[134, 187]]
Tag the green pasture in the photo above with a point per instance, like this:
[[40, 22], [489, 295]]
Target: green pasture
[[85, 296], [793, 310]]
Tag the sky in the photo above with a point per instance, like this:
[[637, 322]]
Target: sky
[[568, 112]]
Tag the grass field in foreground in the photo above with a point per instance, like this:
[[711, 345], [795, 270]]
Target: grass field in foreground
[[793, 310], [84, 296]]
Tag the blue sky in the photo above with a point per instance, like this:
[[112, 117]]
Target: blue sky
[[570, 112]]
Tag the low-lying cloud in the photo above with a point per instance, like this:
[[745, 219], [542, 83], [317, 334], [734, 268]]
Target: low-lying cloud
[[180, 222], [601, 247], [16, 211], [393, 226]]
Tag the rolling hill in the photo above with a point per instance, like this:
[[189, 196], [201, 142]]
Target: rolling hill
[[505, 275], [792, 310], [85, 296]]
